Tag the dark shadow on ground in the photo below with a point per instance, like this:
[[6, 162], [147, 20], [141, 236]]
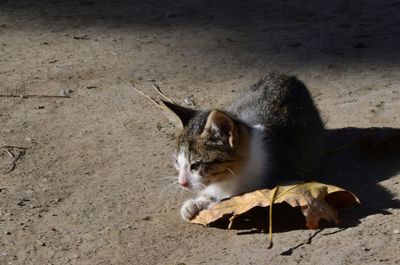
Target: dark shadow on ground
[[357, 159], [369, 156], [309, 31]]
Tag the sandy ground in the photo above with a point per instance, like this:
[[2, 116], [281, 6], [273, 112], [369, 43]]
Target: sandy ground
[[90, 188]]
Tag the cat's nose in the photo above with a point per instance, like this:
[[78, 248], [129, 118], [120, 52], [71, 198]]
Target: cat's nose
[[184, 183], [183, 179]]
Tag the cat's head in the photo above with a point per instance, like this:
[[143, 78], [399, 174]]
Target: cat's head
[[211, 147]]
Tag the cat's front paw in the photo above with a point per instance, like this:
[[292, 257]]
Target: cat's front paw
[[192, 207]]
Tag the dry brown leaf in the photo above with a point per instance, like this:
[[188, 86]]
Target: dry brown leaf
[[317, 201]]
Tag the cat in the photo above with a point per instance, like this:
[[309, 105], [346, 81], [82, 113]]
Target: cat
[[270, 134]]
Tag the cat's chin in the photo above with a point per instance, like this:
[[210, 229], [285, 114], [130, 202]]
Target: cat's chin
[[196, 188], [185, 188], [188, 188]]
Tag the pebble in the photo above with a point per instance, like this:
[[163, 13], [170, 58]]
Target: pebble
[[81, 37], [66, 92], [147, 218], [22, 201], [365, 249], [188, 101], [30, 140], [7, 232], [396, 231]]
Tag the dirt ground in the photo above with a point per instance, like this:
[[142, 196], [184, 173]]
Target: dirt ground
[[90, 187]]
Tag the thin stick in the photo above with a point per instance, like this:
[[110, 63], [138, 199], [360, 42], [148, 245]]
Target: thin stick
[[32, 96], [270, 217], [231, 221], [157, 88], [7, 151], [13, 163], [12, 147], [146, 96]]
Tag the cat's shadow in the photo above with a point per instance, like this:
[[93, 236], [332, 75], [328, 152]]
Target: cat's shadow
[[357, 159]]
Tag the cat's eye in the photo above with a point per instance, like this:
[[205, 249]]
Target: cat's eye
[[196, 165]]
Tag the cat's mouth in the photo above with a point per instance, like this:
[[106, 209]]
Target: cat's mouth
[[192, 186], [186, 188], [185, 185]]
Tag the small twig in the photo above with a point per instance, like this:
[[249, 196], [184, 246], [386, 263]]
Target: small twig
[[32, 96], [14, 161], [334, 232], [273, 198], [16, 157], [12, 147], [309, 241], [7, 151], [231, 221]]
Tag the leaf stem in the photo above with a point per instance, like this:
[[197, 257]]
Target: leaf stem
[[270, 216]]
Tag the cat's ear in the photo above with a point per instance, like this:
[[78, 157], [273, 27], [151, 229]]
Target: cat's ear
[[179, 115], [221, 123]]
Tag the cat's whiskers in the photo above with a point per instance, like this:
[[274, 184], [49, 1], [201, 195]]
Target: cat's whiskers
[[171, 185], [168, 189], [169, 177], [170, 195], [176, 192]]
